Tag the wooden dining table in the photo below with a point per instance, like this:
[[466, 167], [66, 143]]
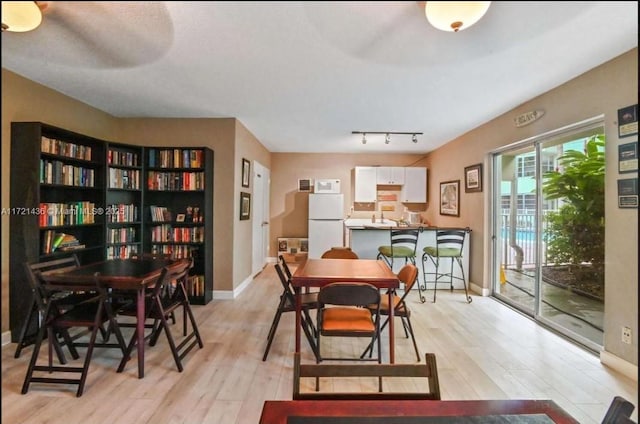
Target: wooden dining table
[[320, 272], [528, 411], [122, 274]]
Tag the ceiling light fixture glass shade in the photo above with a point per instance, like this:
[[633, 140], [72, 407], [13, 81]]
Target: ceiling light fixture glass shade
[[20, 16], [454, 16]]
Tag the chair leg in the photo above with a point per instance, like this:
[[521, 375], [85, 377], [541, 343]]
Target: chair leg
[[464, 281], [272, 330], [34, 356], [33, 309], [413, 337]]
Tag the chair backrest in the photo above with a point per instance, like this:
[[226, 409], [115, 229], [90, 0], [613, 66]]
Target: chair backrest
[[348, 294], [285, 267], [619, 411], [427, 370], [177, 271], [286, 285], [405, 237], [35, 270], [340, 253], [451, 239]]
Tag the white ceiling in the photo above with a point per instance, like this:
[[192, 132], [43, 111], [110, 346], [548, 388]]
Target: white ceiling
[[301, 76]]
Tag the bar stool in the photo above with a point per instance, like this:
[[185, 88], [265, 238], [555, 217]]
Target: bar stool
[[449, 244], [403, 245]]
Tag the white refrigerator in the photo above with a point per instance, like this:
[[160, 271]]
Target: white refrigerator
[[326, 227]]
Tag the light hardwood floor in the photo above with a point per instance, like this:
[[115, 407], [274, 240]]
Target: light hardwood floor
[[484, 351]]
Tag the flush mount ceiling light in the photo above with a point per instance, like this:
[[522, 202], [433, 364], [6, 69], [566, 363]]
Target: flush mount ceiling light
[[455, 16], [20, 16], [387, 135]]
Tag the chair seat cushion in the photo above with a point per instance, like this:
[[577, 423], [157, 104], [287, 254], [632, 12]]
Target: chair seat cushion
[[396, 252], [443, 252], [350, 319]]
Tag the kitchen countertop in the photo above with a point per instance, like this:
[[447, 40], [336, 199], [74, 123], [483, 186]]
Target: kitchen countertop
[[386, 224]]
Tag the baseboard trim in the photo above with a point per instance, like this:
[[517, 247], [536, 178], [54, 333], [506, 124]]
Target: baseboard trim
[[623, 367], [6, 338]]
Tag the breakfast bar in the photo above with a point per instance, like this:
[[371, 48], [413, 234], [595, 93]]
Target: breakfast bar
[[364, 237]]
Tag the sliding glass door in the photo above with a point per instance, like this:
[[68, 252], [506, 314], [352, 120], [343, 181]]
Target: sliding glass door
[[548, 230]]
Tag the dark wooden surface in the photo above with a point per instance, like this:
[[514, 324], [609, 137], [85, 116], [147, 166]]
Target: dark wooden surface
[[278, 412]]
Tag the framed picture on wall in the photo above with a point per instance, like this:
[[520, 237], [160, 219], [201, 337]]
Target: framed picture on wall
[[246, 171], [473, 178], [245, 206], [450, 198]]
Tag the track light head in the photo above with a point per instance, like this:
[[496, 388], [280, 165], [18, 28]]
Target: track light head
[[364, 138], [414, 138], [387, 139]]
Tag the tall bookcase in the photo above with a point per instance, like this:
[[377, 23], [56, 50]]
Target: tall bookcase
[[57, 196], [92, 196], [123, 216], [178, 187]]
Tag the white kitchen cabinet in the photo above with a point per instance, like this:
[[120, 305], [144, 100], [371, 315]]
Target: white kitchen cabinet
[[365, 184], [390, 175], [414, 189]]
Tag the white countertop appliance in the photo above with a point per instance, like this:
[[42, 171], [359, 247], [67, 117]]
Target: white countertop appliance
[[326, 213]]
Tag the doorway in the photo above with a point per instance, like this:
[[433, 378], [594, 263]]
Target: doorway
[[260, 218], [536, 267]]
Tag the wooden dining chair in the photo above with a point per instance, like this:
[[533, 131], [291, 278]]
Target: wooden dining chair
[[348, 310], [309, 301], [408, 276], [340, 253], [90, 314], [382, 372], [65, 300], [159, 307]]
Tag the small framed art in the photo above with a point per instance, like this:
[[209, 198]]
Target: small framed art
[[473, 178], [450, 198], [245, 206], [246, 171]]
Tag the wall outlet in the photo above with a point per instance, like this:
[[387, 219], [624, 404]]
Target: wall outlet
[[626, 335]]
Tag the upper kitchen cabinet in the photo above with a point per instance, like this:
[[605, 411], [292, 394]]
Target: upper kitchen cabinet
[[390, 175], [414, 189], [365, 184]]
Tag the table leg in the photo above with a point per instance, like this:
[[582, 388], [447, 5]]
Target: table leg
[[392, 352], [140, 319], [298, 317]]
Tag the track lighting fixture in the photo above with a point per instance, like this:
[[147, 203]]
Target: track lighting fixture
[[387, 135]]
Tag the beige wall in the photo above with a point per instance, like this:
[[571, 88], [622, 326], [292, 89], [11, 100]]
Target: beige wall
[[246, 147]]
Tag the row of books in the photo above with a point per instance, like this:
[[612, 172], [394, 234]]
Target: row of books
[[176, 158], [160, 213], [166, 233], [122, 213], [195, 285], [174, 250], [116, 157], [72, 213], [175, 180], [128, 179], [53, 241], [64, 148], [57, 172], [121, 252], [121, 235]]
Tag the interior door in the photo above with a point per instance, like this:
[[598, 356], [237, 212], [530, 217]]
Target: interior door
[[260, 219]]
